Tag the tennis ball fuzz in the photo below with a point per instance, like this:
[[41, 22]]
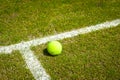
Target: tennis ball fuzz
[[54, 48]]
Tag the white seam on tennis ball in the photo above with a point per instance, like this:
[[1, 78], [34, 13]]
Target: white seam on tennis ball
[[34, 65], [38, 41]]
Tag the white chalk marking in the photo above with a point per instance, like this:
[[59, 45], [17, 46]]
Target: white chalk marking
[[33, 64], [35, 42]]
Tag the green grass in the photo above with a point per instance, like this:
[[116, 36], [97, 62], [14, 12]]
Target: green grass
[[13, 67], [26, 19], [93, 56]]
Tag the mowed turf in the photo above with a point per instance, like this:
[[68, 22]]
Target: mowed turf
[[90, 56], [93, 56], [13, 67], [22, 20]]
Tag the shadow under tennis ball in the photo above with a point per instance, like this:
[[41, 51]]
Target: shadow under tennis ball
[[46, 53]]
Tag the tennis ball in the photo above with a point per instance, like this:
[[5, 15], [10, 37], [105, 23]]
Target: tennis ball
[[54, 48]]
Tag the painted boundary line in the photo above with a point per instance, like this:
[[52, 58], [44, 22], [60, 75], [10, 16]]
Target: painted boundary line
[[33, 64], [39, 41]]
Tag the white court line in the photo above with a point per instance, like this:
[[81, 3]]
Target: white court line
[[35, 42], [33, 64]]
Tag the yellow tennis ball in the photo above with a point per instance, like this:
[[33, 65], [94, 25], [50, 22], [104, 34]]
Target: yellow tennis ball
[[54, 48]]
